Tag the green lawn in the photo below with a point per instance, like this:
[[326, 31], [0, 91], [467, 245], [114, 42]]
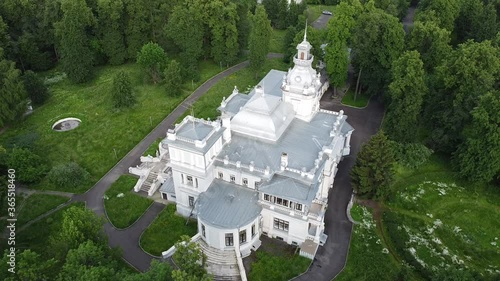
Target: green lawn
[[273, 267], [36, 205], [314, 11], [361, 99], [206, 106], [104, 130], [124, 211], [369, 257], [438, 221], [277, 41], [165, 231], [152, 148]]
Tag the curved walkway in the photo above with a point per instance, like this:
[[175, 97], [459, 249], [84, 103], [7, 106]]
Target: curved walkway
[[128, 239]]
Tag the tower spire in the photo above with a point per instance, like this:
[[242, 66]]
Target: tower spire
[[305, 32]]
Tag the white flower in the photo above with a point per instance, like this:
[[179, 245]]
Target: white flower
[[493, 243], [457, 229], [436, 240], [385, 251], [438, 223], [430, 215]]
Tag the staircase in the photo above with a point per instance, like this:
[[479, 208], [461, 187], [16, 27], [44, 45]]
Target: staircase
[[221, 264], [149, 181]]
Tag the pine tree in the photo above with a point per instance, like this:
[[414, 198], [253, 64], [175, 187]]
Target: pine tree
[[13, 95], [373, 172], [77, 57], [260, 36], [122, 92], [173, 78]]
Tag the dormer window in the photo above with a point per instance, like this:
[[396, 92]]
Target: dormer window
[[189, 180], [221, 175], [232, 178], [245, 181]]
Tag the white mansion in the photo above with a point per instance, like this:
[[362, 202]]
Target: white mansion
[[265, 167]]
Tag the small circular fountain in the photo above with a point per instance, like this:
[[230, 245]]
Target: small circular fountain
[[66, 124]]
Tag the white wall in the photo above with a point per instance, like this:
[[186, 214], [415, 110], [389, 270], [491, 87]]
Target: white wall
[[238, 174], [297, 227]]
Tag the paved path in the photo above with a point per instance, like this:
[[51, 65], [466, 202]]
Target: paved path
[[128, 239], [321, 22], [331, 257]]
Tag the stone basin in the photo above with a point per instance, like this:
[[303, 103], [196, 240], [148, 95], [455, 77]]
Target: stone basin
[[66, 124]]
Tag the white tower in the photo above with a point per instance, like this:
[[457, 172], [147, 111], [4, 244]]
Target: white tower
[[302, 85]]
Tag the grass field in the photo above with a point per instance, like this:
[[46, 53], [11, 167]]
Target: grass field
[[206, 106], [438, 221], [314, 11], [369, 257], [152, 148], [273, 267], [361, 100], [104, 130], [36, 205], [277, 41], [124, 211], [165, 231]]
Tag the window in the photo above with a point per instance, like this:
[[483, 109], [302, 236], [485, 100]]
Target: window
[[279, 201], [189, 180], [285, 203], [232, 178], [279, 238], [229, 239], [221, 175], [245, 181], [298, 207], [253, 230], [196, 180], [266, 197], [203, 230], [243, 236], [280, 224], [191, 201], [295, 243], [164, 196]]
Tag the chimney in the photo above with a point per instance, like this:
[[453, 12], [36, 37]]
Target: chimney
[[284, 160]]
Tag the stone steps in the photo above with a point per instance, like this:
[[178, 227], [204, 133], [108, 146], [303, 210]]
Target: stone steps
[[149, 181], [221, 264]]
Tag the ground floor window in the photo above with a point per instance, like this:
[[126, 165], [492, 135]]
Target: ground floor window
[[243, 236], [164, 196], [280, 224], [191, 201], [203, 230], [229, 239]]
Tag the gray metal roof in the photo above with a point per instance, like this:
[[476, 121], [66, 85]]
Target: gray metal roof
[[226, 205], [194, 130], [168, 186], [302, 141], [290, 189], [235, 103], [271, 83]]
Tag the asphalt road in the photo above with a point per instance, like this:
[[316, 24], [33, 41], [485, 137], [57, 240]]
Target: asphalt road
[[321, 21], [332, 257]]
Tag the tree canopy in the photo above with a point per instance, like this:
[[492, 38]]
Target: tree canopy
[[260, 36]]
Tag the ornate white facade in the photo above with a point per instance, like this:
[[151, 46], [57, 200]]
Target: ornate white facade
[[265, 167]]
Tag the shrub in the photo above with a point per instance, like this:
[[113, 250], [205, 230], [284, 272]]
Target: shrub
[[30, 167], [411, 155], [123, 92], [69, 175]]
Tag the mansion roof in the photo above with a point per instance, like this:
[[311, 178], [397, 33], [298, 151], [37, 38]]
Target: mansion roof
[[291, 189], [227, 205]]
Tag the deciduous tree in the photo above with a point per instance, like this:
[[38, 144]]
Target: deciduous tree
[[111, 30], [407, 91], [33, 166], [153, 59], [431, 41], [189, 257], [12, 93], [373, 172], [260, 36], [478, 157], [36, 89]]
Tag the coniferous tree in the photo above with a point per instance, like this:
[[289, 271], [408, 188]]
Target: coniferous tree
[[77, 57], [260, 36], [173, 78], [373, 172], [122, 92], [407, 91], [13, 95]]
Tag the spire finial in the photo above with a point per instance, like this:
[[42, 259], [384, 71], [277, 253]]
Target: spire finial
[[305, 32]]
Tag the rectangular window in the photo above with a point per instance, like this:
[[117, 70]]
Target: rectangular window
[[189, 180], [298, 207], [196, 180], [253, 230], [285, 203], [266, 197], [203, 230], [281, 224], [243, 236], [232, 178], [221, 175], [191, 201], [182, 178], [229, 239], [245, 181], [279, 201]]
